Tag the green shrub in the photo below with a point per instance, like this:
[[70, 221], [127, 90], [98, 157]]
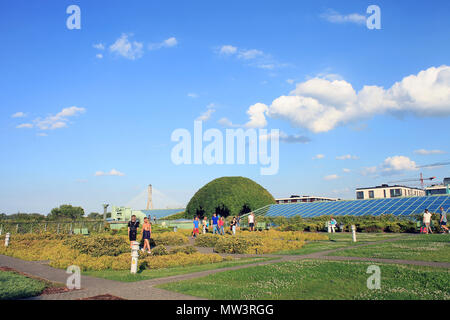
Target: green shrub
[[185, 249], [207, 240], [235, 244], [98, 246], [160, 251], [170, 239]]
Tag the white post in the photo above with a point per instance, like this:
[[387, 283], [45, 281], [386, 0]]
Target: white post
[[329, 226], [7, 239], [134, 256], [354, 232]]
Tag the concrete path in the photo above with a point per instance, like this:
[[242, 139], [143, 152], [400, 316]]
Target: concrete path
[[145, 290]]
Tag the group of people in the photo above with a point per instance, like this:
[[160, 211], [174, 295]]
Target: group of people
[[218, 224], [427, 215], [133, 227]]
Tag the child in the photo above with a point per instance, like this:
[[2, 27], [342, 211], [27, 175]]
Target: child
[[146, 232], [133, 226], [195, 231], [205, 224]]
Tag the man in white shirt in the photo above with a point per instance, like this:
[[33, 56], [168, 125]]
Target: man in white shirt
[[427, 221], [251, 221]]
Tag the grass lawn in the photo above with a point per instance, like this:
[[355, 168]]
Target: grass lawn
[[433, 247], [126, 276], [16, 286], [317, 279], [340, 240]]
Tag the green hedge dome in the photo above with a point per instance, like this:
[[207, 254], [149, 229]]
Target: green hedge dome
[[228, 196]]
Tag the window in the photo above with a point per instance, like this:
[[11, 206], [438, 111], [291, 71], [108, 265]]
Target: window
[[359, 195], [384, 192], [396, 193], [371, 194]]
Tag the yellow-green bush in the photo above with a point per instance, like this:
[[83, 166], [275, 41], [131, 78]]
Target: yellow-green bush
[[170, 239], [207, 240], [96, 246], [182, 259], [184, 249]]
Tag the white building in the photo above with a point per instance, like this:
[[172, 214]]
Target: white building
[[386, 191], [296, 199]]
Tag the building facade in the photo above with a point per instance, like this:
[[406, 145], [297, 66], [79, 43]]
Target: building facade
[[297, 199], [386, 191]]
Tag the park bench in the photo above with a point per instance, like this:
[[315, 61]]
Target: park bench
[[77, 231], [84, 231], [260, 225]]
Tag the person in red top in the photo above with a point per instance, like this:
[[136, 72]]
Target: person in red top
[[221, 226]]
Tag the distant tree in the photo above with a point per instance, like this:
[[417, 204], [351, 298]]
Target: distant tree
[[66, 211], [95, 216], [23, 216]]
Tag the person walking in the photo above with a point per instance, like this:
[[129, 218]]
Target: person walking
[[233, 225], [146, 233], [443, 220], [427, 221], [133, 227], [221, 225], [204, 224], [214, 221], [333, 224], [196, 225], [251, 221]]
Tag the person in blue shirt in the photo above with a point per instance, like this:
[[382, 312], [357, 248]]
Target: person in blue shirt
[[214, 220], [195, 231]]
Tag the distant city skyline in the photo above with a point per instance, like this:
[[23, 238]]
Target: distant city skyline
[[87, 114]]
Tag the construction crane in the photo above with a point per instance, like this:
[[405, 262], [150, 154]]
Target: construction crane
[[421, 179]]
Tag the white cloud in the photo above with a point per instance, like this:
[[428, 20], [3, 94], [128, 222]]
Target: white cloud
[[256, 113], [335, 17], [369, 170], [113, 172], [129, 50], [24, 125], [391, 165], [99, 46], [168, 43], [397, 164], [99, 56], [346, 170], [321, 105], [18, 115], [249, 54], [192, 95], [318, 156], [225, 122], [290, 81], [205, 116], [287, 138], [347, 157], [427, 152], [331, 177], [228, 50], [59, 120]]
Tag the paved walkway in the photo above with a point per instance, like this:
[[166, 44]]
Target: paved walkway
[[145, 290]]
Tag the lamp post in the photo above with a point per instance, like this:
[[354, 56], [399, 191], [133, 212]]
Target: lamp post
[[134, 256], [354, 232], [8, 235]]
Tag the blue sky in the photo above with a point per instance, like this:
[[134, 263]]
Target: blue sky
[[86, 115]]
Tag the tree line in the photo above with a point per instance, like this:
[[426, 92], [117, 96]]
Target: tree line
[[63, 212]]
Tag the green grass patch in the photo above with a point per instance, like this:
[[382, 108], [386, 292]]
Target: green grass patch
[[341, 240], [318, 279], [126, 276], [432, 247], [17, 286]]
